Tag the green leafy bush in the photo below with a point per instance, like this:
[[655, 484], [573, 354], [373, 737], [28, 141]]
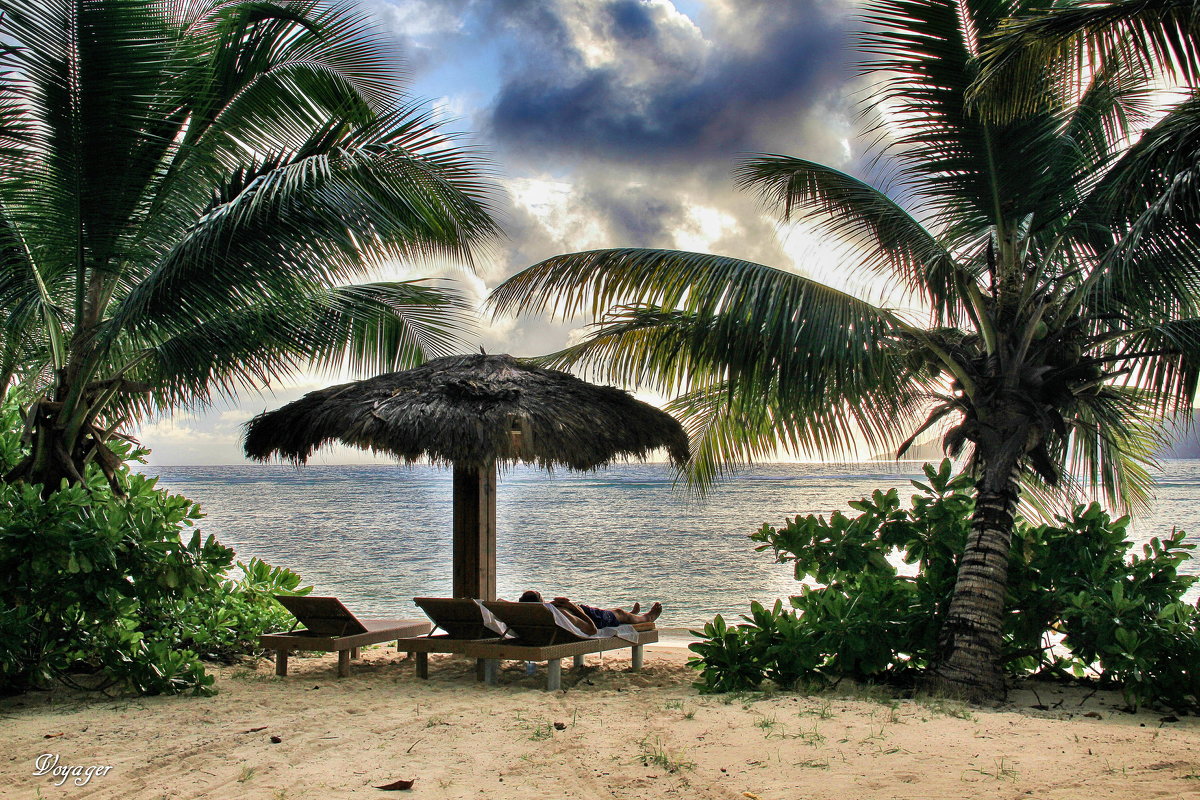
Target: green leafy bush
[[102, 590], [1079, 604], [732, 658]]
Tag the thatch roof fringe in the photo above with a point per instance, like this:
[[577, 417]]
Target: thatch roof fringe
[[471, 410]]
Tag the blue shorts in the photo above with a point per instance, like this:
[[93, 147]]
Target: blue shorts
[[600, 617]]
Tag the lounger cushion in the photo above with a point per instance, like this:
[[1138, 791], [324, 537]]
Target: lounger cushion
[[322, 616]]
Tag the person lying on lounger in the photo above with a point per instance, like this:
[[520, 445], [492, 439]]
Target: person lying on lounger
[[590, 619]]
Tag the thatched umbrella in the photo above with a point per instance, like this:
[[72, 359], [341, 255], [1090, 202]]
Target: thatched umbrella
[[472, 412]]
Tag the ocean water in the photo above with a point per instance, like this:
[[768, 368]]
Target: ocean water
[[379, 535]]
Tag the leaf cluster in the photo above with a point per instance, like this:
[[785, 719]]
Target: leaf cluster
[[876, 587], [124, 593]]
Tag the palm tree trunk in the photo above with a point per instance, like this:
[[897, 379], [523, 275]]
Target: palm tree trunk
[[52, 457], [63, 433], [51, 461], [56, 428], [969, 644]]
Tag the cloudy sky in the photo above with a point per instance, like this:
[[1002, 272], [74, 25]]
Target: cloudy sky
[[611, 123]]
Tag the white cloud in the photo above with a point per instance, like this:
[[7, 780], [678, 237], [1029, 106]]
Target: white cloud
[[703, 227], [420, 19], [678, 52], [556, 206]]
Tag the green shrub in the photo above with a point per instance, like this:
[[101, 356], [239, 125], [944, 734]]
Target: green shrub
[[731, 658], [1079, 605], [108, 591]]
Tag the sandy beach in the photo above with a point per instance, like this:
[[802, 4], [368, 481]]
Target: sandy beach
[[610, 733]]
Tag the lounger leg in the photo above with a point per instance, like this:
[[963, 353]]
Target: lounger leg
[[578, 662], [281, 662], [491, 671], [343, 663], [554, 675], [637, 658], [423, 665], [481, 668], [354, 654]]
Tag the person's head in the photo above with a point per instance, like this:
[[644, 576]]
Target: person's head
[[530, 596]]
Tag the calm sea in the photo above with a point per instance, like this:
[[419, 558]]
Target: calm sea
[[377, 536]]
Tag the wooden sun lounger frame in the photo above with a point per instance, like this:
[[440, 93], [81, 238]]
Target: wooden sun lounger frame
[[488, 653], [492, 653], [549, 643], [333, 628], [422, 646], [539, 639], [459, 617]]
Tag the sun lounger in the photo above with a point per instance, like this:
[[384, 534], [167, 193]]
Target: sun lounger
[[461, 618], [461, 621], [541, 632], [329, 626]]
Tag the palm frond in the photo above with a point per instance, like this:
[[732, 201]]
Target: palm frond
[[1140, 219], [949, 160], [1164, 362], [1047, 53], [328, 217], [1114, 107], [380, 327], [886, 236], [1112, 445], [812, 387]]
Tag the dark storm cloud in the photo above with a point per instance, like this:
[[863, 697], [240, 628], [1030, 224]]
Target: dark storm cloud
[[663, 96], [631, 20], [634, 217]]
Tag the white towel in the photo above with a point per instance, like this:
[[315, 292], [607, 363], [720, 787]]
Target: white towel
[[563, 621], [490, 621]]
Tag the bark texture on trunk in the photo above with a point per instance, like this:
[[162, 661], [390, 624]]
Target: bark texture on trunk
[[970, 641]]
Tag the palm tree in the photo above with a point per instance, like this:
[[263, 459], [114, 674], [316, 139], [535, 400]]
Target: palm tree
[[186, 188], [1057, 271]]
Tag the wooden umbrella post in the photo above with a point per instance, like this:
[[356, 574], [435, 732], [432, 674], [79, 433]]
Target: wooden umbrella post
[[475, 532]]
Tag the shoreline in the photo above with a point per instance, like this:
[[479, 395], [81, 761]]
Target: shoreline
[[623, 734]]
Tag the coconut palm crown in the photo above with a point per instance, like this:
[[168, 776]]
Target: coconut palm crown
[[186, 189], [1056, 263]]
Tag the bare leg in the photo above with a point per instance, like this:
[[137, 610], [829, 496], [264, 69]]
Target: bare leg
[[631, 619]]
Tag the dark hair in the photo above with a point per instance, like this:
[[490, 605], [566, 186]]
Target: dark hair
[[530, 596]]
